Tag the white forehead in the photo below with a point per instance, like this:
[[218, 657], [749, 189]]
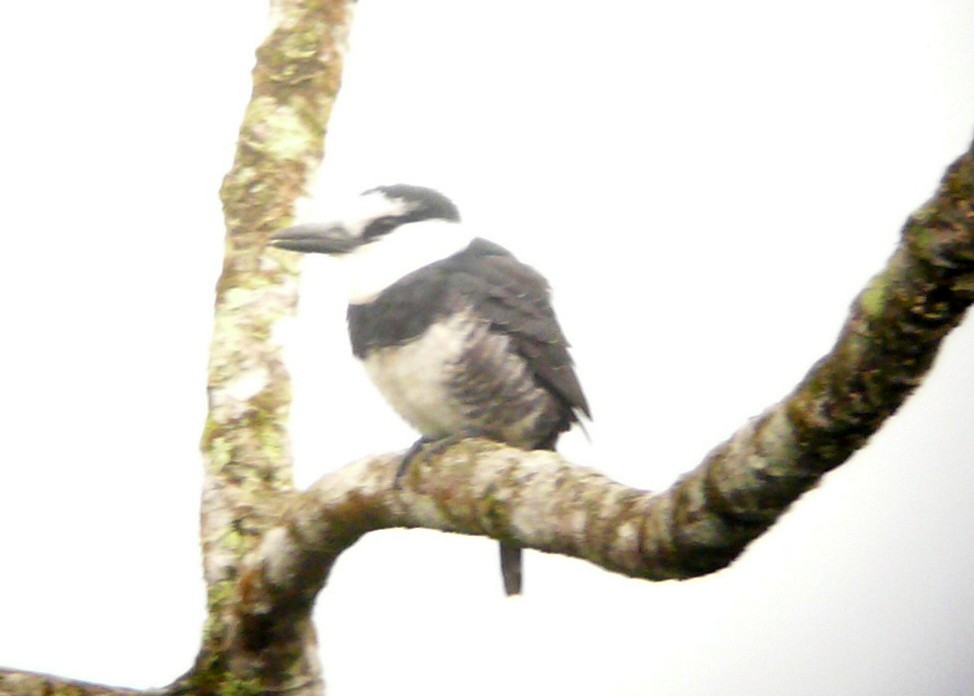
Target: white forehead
[[356, 212]]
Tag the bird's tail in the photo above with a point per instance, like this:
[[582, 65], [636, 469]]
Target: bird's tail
[[511, 568]]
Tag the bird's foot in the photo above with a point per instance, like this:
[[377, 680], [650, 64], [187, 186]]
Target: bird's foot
[[436, 446], [407, 459]]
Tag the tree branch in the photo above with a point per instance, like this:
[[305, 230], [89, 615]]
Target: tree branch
[[245, 446], [705, 520], [247, 461], [16, 683], [261, 584]]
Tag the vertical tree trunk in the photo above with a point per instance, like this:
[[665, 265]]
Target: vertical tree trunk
[[245, 446]]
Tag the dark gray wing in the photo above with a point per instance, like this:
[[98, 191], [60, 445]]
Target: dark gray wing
[[401, 312], [516, 299]]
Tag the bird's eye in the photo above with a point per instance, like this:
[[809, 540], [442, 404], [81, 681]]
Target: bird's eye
[[379, 226]]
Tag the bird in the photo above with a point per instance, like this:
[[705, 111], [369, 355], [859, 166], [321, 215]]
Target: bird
[[458, 335]]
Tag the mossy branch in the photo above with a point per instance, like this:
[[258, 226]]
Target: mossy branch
[[705, 520], [16, 683], [245, 445], [268, 550]]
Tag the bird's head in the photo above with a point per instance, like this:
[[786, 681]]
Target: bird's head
[[368, 219], [382, 235]]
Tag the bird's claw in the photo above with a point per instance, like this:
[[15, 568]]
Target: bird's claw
[[435, 447]]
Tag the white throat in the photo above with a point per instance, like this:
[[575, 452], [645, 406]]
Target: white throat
[[373, 267]]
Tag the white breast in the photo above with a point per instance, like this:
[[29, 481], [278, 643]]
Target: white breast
[[415, 377]]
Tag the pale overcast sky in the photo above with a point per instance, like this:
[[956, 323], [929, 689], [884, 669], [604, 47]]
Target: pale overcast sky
[[707, 185]]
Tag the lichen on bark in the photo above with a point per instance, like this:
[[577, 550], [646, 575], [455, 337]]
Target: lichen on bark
[[268, 550], [704, 521], [247, 461]]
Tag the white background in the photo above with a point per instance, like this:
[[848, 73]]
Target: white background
[[707, 185]]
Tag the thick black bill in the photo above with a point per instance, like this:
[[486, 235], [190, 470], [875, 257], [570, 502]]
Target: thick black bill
[[315, 239]]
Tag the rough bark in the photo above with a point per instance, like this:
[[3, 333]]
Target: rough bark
[[268, 550], [247, 478], [703, 522], [14, 683], [245, 446]]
